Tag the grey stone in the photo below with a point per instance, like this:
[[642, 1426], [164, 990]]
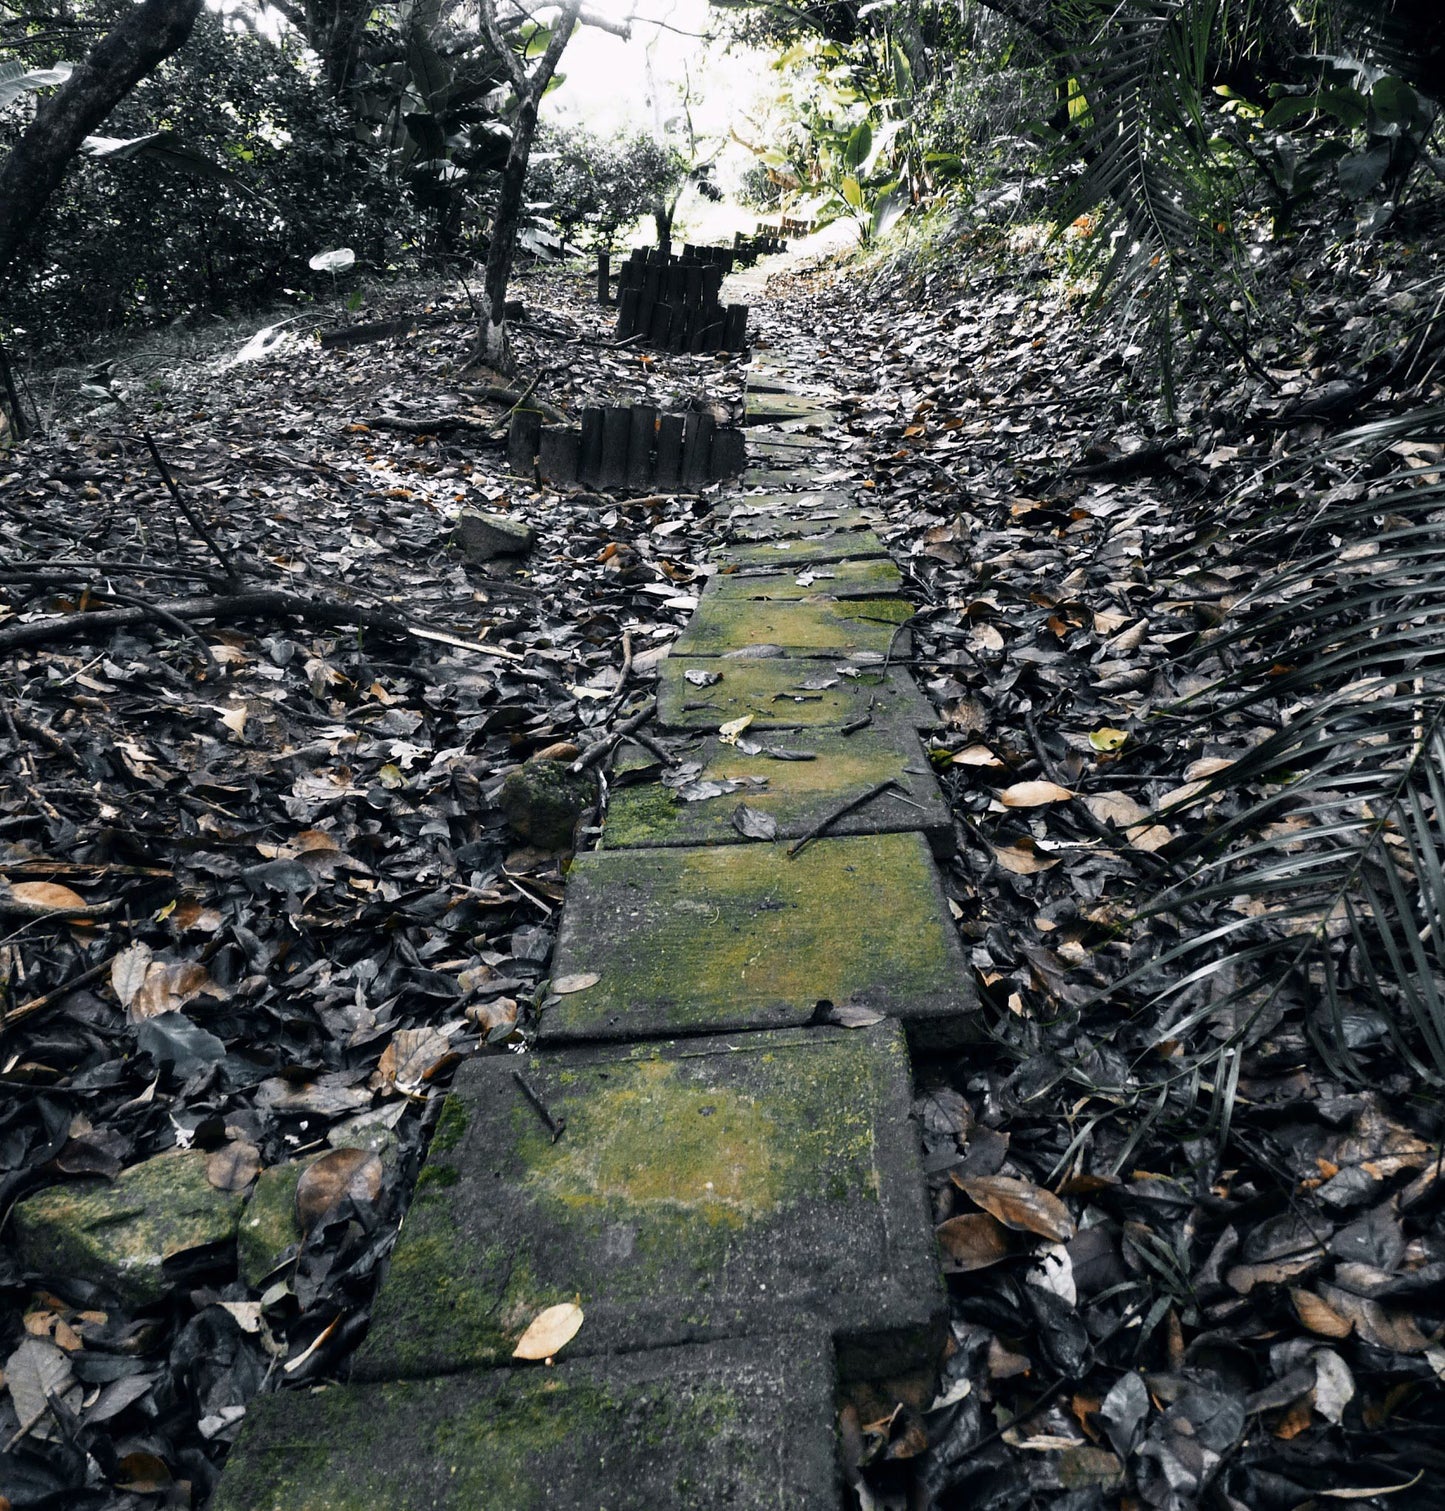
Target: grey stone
[[120, 1233], [484, 536], [793, 552], [542, 801], [780, 693], [794, 794], [714, 1188], [743, 1423], [709, 939], [875, 577]]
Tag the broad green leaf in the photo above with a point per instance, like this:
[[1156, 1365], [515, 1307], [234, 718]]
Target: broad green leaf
[[852, 192], [16, 79], [858, 146]]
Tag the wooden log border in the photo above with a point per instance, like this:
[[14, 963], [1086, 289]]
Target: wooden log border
[[673, 302], [627, 446]]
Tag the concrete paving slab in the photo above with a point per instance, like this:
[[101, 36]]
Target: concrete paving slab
[[719, 627], [705, 692], [789, 448], [877, 577], [742, 1423], [767, 475], [708, 1188], [784, 502], [770, 408], [797, 551], [821, 772], [774, 524], [706, 940]]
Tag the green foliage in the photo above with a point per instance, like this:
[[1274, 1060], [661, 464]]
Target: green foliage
[[591, 187], [223, 173]]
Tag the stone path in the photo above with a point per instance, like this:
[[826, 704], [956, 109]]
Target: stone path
[[724, 1178]]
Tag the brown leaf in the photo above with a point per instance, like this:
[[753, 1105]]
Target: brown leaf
[[412, 1058], [326, 1182], [1033, 794], [128, 972], [1022, 1205], [549, 1331], [168, 986], [973, 1242], [1319, 1317], [234, 1167]]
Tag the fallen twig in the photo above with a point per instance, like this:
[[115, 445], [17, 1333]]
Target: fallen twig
[[598, 749], [828, 820], [261, 603], [49, 999], [555, 1126], [195, 520]]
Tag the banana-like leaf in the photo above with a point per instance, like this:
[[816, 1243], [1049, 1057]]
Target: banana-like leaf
[[162, 147], [16, 79]]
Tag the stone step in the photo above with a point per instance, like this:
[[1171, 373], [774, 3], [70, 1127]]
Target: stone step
[[781, 693], [785, 524], [776, 472], [807, 630], [700, 940], [775, 408], [742, 1423], [798, 551], [873, 578], [795, 794], [711, 1188]]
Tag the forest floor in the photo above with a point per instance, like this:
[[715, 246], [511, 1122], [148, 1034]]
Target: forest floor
[[260, 898]]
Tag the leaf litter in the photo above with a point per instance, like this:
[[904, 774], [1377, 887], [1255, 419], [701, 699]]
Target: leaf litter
[[1187, 1263]]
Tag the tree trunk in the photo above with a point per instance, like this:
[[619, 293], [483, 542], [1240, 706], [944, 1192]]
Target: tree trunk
[[144, 37], [493, 346], [503, 249]]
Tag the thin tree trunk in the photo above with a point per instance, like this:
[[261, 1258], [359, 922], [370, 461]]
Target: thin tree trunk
[[144, 37], [530, 87]]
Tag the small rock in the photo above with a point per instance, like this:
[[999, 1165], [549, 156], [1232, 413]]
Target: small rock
[[483, 536], [120, 1233], [543, 800]]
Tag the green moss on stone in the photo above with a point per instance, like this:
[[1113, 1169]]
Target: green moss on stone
[[834, 627], [735, 936], [119, 1233], [451, 1125], [269, 1225]]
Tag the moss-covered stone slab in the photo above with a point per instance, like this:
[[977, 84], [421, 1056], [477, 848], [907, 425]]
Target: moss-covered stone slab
[[791, 448], [120, 1233], [792, 552], [819, 627], [773, 408], [706, 940], [745, 1423], [795, 793], [785, 524], [771, 472], [871, 578], [706, 692], [710, 1188]]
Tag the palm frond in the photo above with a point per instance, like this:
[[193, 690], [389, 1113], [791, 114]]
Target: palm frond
[[1317, 859]]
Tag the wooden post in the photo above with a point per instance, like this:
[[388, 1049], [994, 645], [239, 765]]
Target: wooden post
[[735, 328], [524, 439], [557, 458], [641, 439], [616, 426], [661, 332], [669, 452], [697, 449], [589, 459], [729, 452], [604, 278], [628, 301]]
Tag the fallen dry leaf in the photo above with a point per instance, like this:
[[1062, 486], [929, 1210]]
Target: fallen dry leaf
[[973, 1242], [549, 1331], [1033, 794], [326, 1182], [1020, 1204]]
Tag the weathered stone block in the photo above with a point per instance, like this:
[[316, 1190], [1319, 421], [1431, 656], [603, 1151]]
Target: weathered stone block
[[873, 578], [120, 1233], [795, 794], [712, 1188], [745, 1423], [775, 408], [542, 801], [817, 628], [745, 936], [793, 552], [782, 693], [783, 523], [484, 536]]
